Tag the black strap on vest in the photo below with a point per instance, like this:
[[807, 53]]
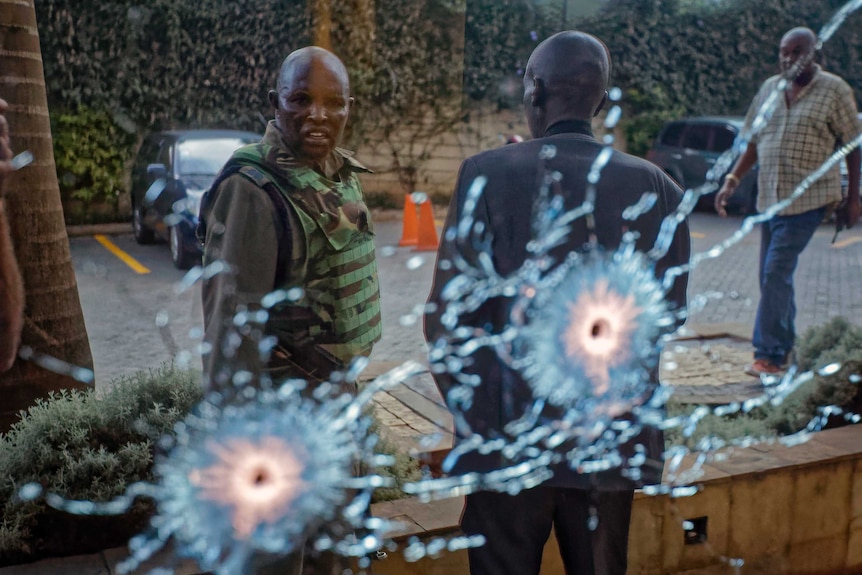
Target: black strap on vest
[[285, 246]]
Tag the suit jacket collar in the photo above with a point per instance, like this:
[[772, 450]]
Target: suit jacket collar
[[570, 127]]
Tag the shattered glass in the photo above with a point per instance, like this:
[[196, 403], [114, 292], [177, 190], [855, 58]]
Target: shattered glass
[[269, 468]]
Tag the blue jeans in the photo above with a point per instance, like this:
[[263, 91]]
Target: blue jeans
[[782, 239]]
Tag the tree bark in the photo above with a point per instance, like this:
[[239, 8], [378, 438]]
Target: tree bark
[[53, 319], [321, 12]]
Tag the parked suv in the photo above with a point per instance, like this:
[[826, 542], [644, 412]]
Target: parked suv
[[171, 173], [687, 149]]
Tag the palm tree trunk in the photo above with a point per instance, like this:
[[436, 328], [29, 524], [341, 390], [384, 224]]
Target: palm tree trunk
[[54, 321], [321, 13]]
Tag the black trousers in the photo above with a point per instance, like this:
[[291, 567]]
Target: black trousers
[[302, 563], [516, 528]]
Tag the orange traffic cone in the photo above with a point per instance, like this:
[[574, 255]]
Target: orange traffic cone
[[410, 229], [427, 229]]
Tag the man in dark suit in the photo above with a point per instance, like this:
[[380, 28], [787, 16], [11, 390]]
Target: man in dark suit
[[565, 86]]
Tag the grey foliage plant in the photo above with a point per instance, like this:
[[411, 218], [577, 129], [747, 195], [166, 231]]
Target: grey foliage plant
[[91, 446], [85, 446], [836, 343]]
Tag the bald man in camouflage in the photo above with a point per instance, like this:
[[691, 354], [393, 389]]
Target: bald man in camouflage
[[288, 217], [288, 213]]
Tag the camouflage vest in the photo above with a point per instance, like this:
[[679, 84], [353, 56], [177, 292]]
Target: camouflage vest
[[339, 309]]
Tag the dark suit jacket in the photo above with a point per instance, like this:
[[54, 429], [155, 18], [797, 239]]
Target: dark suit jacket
[[514, 174]]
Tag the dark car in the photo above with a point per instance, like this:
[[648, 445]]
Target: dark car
[[688, 148], [171, 173]]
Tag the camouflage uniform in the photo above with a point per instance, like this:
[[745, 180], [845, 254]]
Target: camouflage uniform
[[282, 225]]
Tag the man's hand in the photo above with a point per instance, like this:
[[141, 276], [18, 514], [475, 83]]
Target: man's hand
[[731, 181], [723, 195]]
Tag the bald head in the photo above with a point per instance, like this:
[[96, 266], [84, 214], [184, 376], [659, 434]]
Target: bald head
[[566, 78], [796, 53], [312, 103], [802, 34], [300, 61]]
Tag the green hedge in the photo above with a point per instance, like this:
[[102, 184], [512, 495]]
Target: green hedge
[[710, 58], [169, 63], [92, 150], [208, 63]]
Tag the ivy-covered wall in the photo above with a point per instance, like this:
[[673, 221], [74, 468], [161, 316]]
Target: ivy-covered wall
[[682, 57], [713, 61], [206, 63], [169, 63]]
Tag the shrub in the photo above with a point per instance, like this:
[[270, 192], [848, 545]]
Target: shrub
[[86, 447], [92, 446], [91, 151], [835, 342], [647, 113], [725, 428]]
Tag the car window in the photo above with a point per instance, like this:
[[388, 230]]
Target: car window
[[671, 134], [164, 156], [696, 137], [205, 157], [722, 138]]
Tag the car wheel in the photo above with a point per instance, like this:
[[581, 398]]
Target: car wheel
[[179, 252], [143, 234]]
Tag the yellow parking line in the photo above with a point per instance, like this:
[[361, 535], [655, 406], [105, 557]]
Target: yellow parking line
[[123, 256], [847, 242], [697, 235]]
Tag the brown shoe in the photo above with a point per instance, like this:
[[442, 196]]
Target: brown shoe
[[763, 367]]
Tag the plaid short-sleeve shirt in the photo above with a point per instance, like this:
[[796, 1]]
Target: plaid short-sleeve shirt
[[797, 140]]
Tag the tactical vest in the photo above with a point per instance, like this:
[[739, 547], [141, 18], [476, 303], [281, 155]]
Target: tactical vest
[[339, 309]]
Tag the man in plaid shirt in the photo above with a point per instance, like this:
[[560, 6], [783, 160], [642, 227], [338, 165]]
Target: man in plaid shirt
[[816, 114]]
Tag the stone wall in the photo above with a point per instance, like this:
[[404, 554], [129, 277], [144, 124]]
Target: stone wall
[[481, 130], [783, 510]]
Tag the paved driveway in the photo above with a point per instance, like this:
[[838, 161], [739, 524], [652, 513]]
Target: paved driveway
[[137, 321]]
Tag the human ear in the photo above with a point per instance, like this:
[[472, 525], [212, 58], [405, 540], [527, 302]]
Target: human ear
[[537, 99], [601, 104], [273, 98]]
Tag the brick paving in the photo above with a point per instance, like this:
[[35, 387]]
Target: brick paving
[[828, 282], [702, 368], [707, 364]]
